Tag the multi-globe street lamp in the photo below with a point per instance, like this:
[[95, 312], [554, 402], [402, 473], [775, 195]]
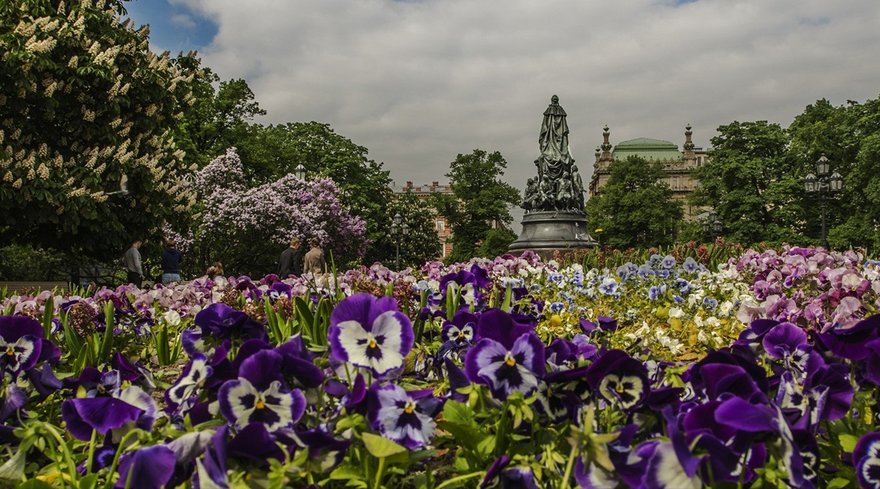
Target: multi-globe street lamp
[[398, 229], [826, 186], [712, 226]]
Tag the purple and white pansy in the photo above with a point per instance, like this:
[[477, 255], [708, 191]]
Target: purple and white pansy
[[866, 459], [504, 360], [258, 396], [404, 417], [371, 333]]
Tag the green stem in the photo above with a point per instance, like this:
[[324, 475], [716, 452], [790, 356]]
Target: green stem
[[569, 466], [379, 473], [461, 478], [91, 456], [113, 465], [68, 459]]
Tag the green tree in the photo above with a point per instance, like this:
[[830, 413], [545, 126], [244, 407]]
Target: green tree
[[753, 184], [269, 152], [84, 102], [480, 201], [421, 242], [635, 208], [218, 118], [849, 135]]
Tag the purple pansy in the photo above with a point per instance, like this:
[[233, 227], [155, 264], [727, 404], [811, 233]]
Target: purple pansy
[[866, 459], [21, 342], [404, 417], [370, 333], [104, 414], [461, 330], [222, 321], [146, 468], [504, 362], [258, 395], [782, 340], [185, 390], [619, 379]]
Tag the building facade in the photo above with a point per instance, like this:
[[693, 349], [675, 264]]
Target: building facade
[[678, 166], [424, 192]]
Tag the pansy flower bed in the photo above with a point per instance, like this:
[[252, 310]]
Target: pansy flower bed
[[510, 372]]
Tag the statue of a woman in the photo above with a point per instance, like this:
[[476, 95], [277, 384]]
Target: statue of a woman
[[553, 141]]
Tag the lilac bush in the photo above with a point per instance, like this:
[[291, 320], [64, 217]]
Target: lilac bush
[[231, 211]]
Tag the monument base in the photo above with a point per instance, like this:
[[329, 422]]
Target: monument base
[[546, 232]]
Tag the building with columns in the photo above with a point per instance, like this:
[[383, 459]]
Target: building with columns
[[678, 166]]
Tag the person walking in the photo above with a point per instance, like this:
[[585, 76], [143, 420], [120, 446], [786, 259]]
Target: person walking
[[171, 258], [131, 260], [314, 260], [291, 260]]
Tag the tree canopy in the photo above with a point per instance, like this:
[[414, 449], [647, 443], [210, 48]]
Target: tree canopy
[[86, 109], [480, 201], [753, 184], [635, 208]]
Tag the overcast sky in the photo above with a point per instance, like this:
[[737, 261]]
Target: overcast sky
[[418, 82]]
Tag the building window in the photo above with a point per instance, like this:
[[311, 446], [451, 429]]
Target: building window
[[440, 225]]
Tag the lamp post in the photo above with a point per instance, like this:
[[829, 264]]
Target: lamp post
[[825, 185], [398, 229], [712, 226], [300, 171]]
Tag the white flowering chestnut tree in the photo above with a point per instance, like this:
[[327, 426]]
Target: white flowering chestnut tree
[[86, 111]]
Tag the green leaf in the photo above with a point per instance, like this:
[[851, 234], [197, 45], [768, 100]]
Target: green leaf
[[458, 412], [34, 484], [88, 482], [381, 447], [838, 483], [848, 442], [345, 472]]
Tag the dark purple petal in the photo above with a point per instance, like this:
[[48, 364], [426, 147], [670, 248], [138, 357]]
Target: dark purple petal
[[745, 416], [262, 368], [14, 327], [247, 349], [355, 399], [49, 352], [13, 398], [872, 362], [99, 413], [44, 380], [256, 444], [211, 469], [722, 378], [501, 327], [147, 468], [606, 323], [783, 339]]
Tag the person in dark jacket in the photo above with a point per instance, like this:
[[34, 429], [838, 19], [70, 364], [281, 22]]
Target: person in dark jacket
[[171, 259], [290, 262]]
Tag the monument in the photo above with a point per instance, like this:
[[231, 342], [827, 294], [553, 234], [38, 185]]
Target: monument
[[555, 219]]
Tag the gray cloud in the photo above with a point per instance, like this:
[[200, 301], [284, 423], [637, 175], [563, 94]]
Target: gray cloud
[[419, 81]]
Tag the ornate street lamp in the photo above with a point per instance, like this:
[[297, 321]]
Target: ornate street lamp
[[826, 186], [712, 226], [398, 230], [300, 171]]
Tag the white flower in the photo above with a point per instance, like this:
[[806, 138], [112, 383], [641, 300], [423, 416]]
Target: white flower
[[172, 317]]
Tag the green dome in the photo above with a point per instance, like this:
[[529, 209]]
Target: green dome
[[649, 149]]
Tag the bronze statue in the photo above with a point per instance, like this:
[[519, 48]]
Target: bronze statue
[[559, 186]]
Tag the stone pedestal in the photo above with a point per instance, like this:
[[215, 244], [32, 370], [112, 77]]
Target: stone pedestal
[[545, 232]]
